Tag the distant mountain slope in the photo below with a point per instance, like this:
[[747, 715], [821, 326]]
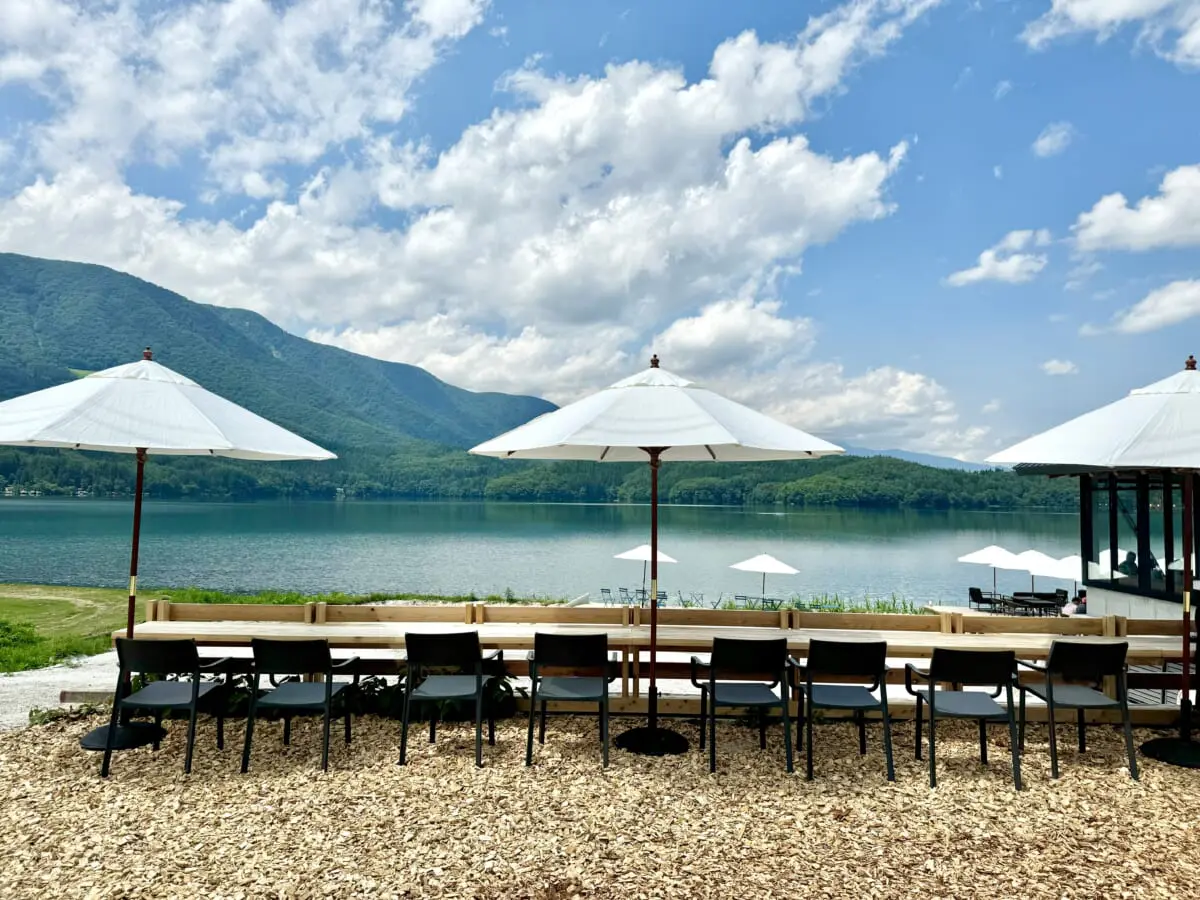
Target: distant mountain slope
[[58, 319], [925, 459]]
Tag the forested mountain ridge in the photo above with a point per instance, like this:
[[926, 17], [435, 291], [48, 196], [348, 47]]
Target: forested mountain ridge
[[398, 431]]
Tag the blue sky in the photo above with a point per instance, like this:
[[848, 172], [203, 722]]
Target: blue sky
[[787, 201]]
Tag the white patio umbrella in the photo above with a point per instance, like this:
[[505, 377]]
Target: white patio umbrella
[[1036, 563], [655, 416], [1155, 427], [767, 565], [144, 408], [641, 553], [991, 555]]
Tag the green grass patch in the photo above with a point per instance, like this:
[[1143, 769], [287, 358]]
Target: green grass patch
[[22, 647]]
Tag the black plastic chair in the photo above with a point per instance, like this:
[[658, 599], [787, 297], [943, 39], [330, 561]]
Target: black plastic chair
[[988, 668], [1081, 661], [734, 669], [292, 696], [839, 661], [586, 672], [165, 658], [459, 652], [976, 599]]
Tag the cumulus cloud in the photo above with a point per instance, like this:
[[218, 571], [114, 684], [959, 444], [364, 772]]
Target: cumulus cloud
[[1170, 219], [1002, 89], [1006, 261], [1060, 367], [1168, 305], [1171, 27], [992, 406], [544, 249], [1054, 139]]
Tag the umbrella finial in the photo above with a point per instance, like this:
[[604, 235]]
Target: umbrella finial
[[147, 353], [654, 361], [1190, 364]]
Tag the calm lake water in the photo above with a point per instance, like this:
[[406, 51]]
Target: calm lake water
[[534, 549]]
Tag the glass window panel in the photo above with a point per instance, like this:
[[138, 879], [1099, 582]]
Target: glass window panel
[[1098, 558], [1126, 574]]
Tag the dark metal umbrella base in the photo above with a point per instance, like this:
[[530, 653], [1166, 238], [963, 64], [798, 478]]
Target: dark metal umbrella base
[[1174, 751], [129, 737], [647, 741]]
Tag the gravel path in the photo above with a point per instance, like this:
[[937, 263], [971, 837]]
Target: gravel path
[[22, 691]]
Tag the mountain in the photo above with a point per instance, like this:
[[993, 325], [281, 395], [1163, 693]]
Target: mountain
[[60, 319], [924, 459]]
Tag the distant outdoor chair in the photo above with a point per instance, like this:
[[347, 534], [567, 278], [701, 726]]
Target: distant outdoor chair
[[1077, 661], [292, 696], [735, 667], [988, 668], [641, 596], [459, 652], [841, 661], [626, 597], [606, 595], [743, 601], [977, 600], [771, 603], [696, 597], [165, 658], [574, 668], [662, 598]]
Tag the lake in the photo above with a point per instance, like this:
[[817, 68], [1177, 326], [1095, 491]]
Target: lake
[[556, 550]]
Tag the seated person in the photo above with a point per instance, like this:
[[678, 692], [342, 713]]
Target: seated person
[[1070, 607], [1129, 566]]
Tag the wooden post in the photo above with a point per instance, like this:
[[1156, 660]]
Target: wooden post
[[1112, 628], [309, 613], [320, 614], [151, 610], [164, 609]]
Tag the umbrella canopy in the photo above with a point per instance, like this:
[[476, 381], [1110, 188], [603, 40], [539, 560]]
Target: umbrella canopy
[[767, 565], [641, 553], [991, 555], [1154, 427], [1036, 563], [145, 406], [655, 416]]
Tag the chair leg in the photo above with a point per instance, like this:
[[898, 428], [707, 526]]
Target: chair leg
[[800, 719], [862, 732], [1081, 727], [542, 725], [809, 714], [433, 720], [983, 741], [191, 741], [1021, 723], [111, 739], [1133, 770], [787, 734], [251, 712], [325, 738], [932, 747], [491, 717], [762, 729], [919, 702], [1013, 742], [346, 727], [604, 728], [158, 718], [479, 730], [887, 740], [712, 736], [703, 714], [287, 731], [404, 726], [221, 731], [532, 716], [1053, 737]]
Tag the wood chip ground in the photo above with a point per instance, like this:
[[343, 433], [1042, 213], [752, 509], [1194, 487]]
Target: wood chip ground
[[565, 828]]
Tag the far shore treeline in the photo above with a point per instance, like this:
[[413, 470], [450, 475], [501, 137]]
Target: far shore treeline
[[870, 482]]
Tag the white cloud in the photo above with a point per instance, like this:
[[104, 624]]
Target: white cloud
[[1081, 272], [1170, 219], [1060, 367], [992, 406], [998, 172], [1171, 27], [537, 252], [1054, 139], [1006, 261], [1002, 89], [1168, 305]]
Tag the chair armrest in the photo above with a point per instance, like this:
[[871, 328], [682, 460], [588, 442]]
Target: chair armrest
[[1034, 666], [345, 664], [492, 654], [216, 664], [697, 665], [909, 671]]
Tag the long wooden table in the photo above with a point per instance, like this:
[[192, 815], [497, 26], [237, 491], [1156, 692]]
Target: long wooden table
[[1143, 649]]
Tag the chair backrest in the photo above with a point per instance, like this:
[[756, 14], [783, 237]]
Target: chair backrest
[[749, 658], [582, 654], [978, 667], [272, 657], [1061, 593], [448, 650], [173, 657], [1086, 661], [862, 659], [975, 594]]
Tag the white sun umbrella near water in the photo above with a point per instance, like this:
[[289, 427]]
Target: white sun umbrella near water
[[1152, 428], [641, 553], [767, 565], [655, 417], [993, 556], [145, 408]]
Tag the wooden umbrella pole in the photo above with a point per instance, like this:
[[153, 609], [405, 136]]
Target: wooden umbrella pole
[[137, 534], [1185, 706], [655, 461]]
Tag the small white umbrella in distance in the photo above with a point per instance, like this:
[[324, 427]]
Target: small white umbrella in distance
[[655, 416], [641, 553], [991, 555], [767, 565], [1155, 427]]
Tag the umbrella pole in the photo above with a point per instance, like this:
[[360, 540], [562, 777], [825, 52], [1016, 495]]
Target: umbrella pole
[[763, 592], [137, 539]]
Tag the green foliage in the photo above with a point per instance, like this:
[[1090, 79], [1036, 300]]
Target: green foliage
[[23, 648], [205, 595], [868, 604], [39, 716]]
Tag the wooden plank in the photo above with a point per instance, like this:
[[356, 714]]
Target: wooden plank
[[732, 618], [236, 612], [866, 621], [1155, 626], [574, 615], [366, 612], [1054, 625]]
